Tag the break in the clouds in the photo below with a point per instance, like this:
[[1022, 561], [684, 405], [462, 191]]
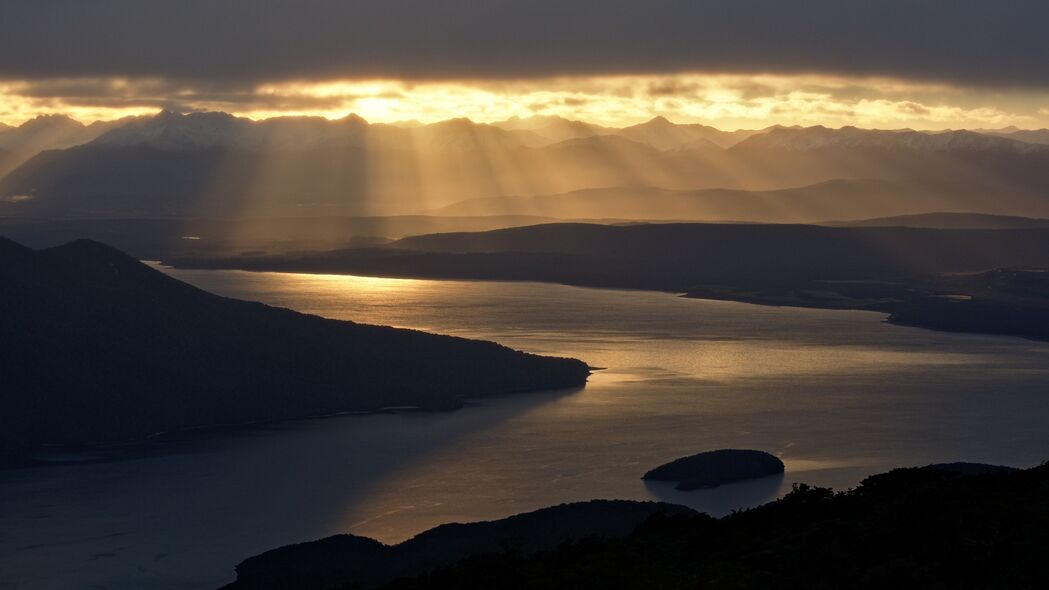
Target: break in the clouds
[[967, 42], [728, 101]]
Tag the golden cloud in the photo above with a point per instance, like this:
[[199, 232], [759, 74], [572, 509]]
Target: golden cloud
[[727, 101]]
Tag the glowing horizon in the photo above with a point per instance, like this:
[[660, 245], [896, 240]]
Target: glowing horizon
[[725, 101]]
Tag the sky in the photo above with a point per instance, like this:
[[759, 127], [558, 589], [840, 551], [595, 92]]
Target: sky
[[925, 64]]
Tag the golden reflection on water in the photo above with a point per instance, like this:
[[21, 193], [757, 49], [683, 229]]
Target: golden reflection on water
[[319, 284], [625, 356], [838, 395]]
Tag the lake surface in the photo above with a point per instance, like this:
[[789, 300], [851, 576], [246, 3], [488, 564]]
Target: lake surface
[[836, 394]]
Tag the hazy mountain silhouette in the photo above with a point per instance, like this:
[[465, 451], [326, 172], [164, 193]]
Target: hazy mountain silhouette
[[658, 132], [661, 134], [217, 165], [1029, 135], [99, 347], [213, 164], [155, 239], [806, 204], [554, 129], [948, 220], [173, 131], [819, 137], [1008, 173], [46, 132]]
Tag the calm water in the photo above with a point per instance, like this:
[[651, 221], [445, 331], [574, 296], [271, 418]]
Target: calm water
[[837, 394]]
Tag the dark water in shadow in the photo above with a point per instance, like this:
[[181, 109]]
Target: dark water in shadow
[[836, 394]]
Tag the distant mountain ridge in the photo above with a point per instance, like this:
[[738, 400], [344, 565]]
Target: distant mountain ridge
[[214, 130], [816, 203], [44, 133], [214, 164], [819, 137], [948, 220], [554, 128], [658, 132], [1029, 135], [198, 129]]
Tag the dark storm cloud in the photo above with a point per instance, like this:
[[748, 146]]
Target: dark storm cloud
[[981, 42]]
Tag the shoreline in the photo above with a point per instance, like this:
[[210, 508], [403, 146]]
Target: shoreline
[[158, 443], [905, 308], [907, 494]]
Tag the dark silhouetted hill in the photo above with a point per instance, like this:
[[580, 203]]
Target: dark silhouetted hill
[[909, 528], [924, 527], [678, 254], [922, 277], [966, 468], [347, 559], [99, 347]]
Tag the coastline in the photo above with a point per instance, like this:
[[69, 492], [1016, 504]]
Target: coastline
[[917, 301], [160, 442]]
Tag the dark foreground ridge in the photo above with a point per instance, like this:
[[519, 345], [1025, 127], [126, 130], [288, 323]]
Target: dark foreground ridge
[[715, 468], [930, 527], [337, 561], [98, 347], [967, 280]]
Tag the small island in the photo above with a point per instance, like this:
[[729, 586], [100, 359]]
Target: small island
[[715, 468]]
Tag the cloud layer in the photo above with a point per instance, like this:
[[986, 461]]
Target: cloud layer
[[962, 42], [728, 101]]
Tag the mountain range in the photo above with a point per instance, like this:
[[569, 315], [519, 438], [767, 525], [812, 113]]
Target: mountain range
[[832, 199], [217, 165], [18, 144], [1028, 135]]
